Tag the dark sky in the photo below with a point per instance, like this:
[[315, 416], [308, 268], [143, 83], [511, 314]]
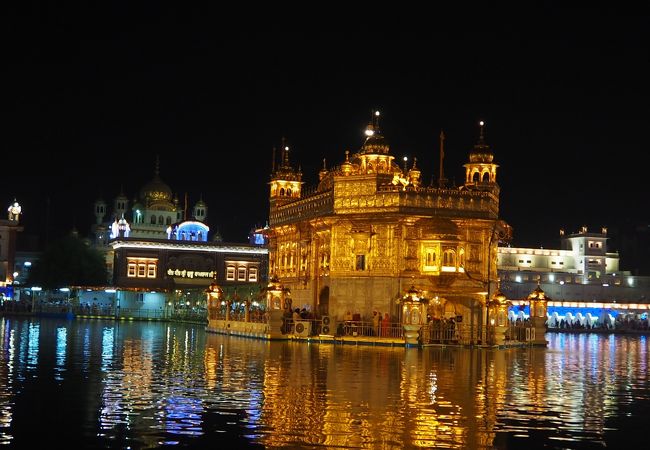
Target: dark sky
[[93, 95]]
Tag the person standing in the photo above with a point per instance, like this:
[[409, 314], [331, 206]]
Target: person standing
[[375, 322], [385, 323]]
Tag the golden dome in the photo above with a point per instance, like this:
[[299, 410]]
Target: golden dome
[[346, 167], [375, 144], [537, 294], [481, 154], [156, 190]]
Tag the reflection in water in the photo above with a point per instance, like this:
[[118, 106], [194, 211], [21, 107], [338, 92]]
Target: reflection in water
[[61, 344], [7, 358], [143, 385]]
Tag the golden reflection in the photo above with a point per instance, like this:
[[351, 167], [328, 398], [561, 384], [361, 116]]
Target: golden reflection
[[176, 384], [367, 397], [6, 376]]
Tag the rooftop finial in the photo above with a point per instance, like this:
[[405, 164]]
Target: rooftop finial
[[373, 125], [482, 135], [324, 164], [285, 152], [156, 170], [375, 119], [273, 161], [441, 177]]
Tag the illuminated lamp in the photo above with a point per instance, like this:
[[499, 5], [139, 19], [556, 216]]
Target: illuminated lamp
[[414, 307], [214, 293]]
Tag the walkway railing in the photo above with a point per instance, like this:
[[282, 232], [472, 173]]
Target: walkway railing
[[441, 334]]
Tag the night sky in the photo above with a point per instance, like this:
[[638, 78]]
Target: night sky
[[93, 95]]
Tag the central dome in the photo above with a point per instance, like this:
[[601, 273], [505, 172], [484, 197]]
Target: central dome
[[376, 144], [156, 190]]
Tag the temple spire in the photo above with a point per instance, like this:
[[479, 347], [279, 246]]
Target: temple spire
[[441, 177], [323, 171], [273, 161], [285, 153], [375, 120]]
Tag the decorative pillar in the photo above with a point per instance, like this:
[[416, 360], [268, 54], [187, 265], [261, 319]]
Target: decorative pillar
[[414, 315], [277, 301], [538, 307], [498, 310], [214, 293]]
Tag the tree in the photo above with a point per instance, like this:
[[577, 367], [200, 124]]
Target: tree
[[68, 261]]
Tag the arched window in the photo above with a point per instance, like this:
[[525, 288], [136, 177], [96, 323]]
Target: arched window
[[486, 176], [281, 192], [431, 258], [476, 177], [288, 192], [449, 258], [161, 220], [153, 220], [168, 221]]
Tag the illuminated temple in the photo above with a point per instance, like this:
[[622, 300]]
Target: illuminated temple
[[370, 232], [160, 258]]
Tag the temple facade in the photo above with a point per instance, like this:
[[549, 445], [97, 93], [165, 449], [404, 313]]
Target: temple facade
[[370, 231]]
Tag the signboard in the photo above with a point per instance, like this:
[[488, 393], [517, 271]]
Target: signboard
[[190, 273]]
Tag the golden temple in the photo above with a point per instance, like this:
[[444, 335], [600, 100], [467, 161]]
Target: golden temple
[[370, 231]]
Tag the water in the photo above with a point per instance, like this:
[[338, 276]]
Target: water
[[96, 384]]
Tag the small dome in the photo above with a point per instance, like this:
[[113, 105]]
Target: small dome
[[375, 144], [481, 154], [499, 298], [156, 190], [538, 294], [346, 167]]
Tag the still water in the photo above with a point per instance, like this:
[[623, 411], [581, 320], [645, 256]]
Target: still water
[[95, 384]]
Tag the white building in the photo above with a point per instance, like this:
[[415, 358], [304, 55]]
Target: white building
[[581, 271], [149, 216]]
